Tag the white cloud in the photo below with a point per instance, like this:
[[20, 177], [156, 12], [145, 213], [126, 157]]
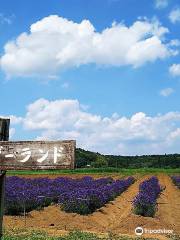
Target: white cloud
[[14, 120], [11, 133], [174, 43], [138, 134], [6, 19], [166, 92], [175, 69], [174, 15], [175, 134], [55, 43], [161, 3]]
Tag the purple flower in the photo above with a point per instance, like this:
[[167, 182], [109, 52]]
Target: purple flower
[[144, 202], [83, 195], [176, 180]]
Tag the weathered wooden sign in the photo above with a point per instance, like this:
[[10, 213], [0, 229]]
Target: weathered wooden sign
[[37, 154]]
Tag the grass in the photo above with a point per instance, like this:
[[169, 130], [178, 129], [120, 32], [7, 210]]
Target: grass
[[83, 171], [19, 234]]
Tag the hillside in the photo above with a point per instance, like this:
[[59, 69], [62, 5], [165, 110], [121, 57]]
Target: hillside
[[84, 158]]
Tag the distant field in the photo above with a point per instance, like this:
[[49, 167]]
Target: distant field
[[102, 171]]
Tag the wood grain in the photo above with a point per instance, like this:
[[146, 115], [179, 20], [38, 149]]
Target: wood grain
[[13, 155]]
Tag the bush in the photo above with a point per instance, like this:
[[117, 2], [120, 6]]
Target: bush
[[176, 180], [86, 200], [75, 195], [145, 201]]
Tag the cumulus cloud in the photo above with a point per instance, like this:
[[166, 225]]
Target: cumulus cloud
[[55, 43], [166, 92], [174, 15], [175, 134], [161, 3], [138, 134], [175, 69]]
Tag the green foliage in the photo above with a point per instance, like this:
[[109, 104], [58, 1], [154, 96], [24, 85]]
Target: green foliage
[[100, 162], [19, 234], [145, 210], [99, 171], [84, 158], [75, 235]]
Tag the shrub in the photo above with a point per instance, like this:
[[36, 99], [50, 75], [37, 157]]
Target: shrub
[[145, 201], [176, 180], [75, 195]]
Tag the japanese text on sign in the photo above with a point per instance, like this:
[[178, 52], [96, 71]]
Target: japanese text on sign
[[37, 154]]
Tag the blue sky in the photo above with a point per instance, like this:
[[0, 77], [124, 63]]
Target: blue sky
[[106, 73]]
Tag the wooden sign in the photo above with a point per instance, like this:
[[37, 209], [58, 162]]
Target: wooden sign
[[37, 155]]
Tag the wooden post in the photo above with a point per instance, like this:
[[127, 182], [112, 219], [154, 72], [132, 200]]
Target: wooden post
[[2, 192], [4, 136], [4, 129]]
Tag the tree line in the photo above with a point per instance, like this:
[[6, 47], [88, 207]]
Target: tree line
[[91, 159]]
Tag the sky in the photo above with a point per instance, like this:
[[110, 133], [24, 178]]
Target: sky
[[105, 73]]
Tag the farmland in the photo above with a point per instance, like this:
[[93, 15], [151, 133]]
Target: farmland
[[95, 171], [115, 216], [82, 196]]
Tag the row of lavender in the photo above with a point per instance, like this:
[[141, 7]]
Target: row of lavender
[[176, 180], [145, 202], [82, 196]]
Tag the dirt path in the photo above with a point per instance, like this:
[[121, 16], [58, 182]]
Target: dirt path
[[169, 204], [167, 216], [77, 175], [116, 217]]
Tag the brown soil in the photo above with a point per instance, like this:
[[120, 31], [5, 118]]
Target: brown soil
[[169, 205], [116, 217], [76, 175]]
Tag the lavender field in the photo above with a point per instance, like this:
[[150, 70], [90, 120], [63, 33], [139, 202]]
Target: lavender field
[[81, 196]]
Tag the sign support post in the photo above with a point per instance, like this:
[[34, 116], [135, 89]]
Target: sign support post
[[4, 136], [2, 193]]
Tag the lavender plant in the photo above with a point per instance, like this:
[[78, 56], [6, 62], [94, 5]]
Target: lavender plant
[[144, 202], [176, 180], [83, 195], [85, 200]]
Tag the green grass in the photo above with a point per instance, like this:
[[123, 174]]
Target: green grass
[[20, 234], [83, 171], [76, 235]]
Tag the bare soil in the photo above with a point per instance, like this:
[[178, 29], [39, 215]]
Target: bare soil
[[116, 217], [76, 175]]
